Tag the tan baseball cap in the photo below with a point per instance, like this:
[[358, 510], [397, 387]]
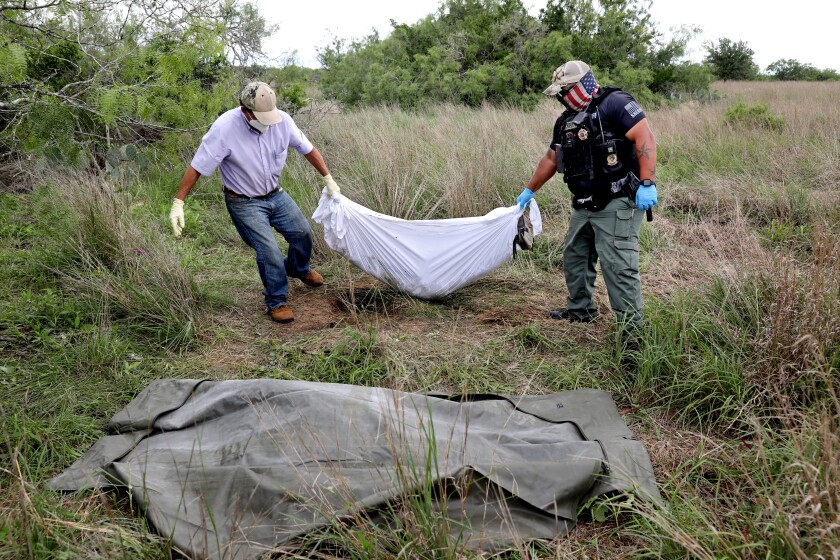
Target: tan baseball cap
[[261, 99], [566, 75]]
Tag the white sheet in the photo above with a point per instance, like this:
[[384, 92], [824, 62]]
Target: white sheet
[[425, 258]]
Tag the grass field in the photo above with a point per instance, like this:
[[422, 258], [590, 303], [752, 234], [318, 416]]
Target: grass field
[[735, 391]]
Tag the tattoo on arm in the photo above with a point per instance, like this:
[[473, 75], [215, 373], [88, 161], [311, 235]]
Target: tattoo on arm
[[643, 151]]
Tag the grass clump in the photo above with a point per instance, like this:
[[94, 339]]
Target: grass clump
[[123, 269], [772, 495], [356, 359], [721, 356], [757, 115]]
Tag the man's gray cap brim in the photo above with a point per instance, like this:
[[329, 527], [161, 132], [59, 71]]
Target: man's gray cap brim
[[554, 89]]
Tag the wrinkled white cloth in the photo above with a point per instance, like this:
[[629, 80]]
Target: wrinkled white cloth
[[427, 259]]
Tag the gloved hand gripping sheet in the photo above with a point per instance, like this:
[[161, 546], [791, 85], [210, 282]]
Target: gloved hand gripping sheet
[[427, 259]]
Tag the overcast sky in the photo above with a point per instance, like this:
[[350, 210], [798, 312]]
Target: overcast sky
[[805, 30]]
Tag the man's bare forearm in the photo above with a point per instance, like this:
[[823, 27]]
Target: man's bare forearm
[[546, 168], [187, 183]]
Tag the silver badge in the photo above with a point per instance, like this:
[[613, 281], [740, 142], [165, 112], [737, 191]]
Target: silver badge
[[612, 159], [583, 134]]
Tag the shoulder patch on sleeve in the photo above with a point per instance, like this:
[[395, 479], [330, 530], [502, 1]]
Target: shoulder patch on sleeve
[[633, 109]]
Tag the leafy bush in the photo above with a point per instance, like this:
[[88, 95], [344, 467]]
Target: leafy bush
[[70, 88], [790, 69], [492, 51], [758, 115]]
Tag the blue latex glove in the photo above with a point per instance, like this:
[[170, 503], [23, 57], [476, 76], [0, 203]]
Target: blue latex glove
[[524, 198], [646, 197]]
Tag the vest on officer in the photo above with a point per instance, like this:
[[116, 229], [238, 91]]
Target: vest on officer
[[593, 159]]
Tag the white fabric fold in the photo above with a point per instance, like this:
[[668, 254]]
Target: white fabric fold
[[427, 259]]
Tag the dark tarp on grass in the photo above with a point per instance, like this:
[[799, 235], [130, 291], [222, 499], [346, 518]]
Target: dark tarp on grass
[[230, 469]]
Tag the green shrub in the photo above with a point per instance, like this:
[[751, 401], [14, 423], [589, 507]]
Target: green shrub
[[758, 115]]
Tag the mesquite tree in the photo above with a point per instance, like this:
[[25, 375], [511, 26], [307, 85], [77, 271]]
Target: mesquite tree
[[77, 76], [731, 60]]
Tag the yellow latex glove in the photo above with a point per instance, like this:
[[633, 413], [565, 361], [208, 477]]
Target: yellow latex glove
[[176, 216], [332, 188]]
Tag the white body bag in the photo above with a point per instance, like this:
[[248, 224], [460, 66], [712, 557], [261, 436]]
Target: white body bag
[[427, 259]]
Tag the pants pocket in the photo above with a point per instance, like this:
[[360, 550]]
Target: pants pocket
[[623, 222], [626, 255]]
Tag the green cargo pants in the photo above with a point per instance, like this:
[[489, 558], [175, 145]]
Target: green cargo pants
[[613, 235]]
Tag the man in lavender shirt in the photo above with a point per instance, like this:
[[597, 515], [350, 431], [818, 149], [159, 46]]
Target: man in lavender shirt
[[249, 145]]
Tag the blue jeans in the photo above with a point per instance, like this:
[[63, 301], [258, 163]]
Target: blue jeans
[[254, 219]]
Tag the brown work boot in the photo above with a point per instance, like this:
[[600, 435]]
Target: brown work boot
[[282, 314], [313, 279]]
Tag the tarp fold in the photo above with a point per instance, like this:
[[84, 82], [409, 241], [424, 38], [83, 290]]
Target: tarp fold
[[231, 469]]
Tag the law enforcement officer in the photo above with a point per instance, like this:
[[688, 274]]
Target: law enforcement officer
[[601, 137], [249, 145]]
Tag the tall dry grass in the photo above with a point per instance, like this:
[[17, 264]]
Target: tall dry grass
[[115, 258], [760, 169], [774, 495], [445, 163]]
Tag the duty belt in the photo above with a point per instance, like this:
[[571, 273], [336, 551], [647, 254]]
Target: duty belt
[[234, 194], [626, 186], [595, 203]]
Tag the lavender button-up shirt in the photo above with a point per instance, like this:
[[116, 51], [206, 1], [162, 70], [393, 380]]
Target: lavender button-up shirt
[[250, 162]]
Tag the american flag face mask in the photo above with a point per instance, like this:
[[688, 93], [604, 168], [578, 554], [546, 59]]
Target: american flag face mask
[[577, 97]]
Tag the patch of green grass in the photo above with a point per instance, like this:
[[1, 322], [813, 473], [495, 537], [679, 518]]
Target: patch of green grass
[[532, 338], [357, 359], [785, 235], [120, 267], [546, 255], [54, 407], [17, 226], [35, 316], [757, 115], [651, 240], [704, 355], [767, 495], [689, 365]]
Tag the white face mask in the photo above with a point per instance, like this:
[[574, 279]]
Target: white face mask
[[258, 126], [254, 123]]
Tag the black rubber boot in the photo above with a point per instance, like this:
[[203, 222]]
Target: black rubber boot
[[566, 315]]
